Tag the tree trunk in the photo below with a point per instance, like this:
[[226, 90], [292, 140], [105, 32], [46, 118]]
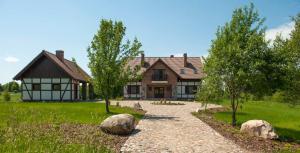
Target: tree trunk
[[233, 118], [233, 115], [106, 105]]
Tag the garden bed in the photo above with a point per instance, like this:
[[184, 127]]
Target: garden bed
[[244, 140], [167, 103]]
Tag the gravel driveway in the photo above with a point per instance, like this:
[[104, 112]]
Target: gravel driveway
[[172, 128]]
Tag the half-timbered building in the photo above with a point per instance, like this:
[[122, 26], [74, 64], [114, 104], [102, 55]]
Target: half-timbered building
[[165, 77], [51, 77]]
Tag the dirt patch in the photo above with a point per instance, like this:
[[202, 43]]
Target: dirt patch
[[91, 134], [244, 140]]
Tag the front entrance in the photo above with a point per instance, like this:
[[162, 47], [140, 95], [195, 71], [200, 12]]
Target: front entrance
[[159, 92]]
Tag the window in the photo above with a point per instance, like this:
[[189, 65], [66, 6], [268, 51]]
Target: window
[[190, 89], [133, 89], [159, 75], [36, 87], [56, 87]]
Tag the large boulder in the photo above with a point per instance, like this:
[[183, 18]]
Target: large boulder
[[120, 124], [137, 106], [259, 128]]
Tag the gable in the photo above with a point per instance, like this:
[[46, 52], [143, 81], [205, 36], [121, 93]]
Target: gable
[[159, 64], [44, 68], [47, 64]]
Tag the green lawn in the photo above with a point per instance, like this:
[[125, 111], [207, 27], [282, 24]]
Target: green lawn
[[54, 127], [285, 119]]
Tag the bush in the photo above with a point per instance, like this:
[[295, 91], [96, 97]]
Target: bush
[[6, 96], [278, 96]]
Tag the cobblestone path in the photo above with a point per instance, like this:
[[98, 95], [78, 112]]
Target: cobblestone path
[[172, 128]]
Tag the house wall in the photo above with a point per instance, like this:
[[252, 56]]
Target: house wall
[[46, 93], [133, 96], [174, 87], [180, 88], [168, 85]]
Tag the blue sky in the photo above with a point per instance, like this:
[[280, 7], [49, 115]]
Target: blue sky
[[164, 27]]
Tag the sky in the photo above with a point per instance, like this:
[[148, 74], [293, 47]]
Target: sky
[[164, 27]]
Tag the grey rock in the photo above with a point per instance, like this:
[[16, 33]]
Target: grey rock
[[259, 128], [137, 106], [121, 124]]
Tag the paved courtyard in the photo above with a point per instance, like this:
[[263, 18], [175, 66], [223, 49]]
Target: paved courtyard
[[172, 128]]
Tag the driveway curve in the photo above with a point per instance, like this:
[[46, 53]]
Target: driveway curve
[[172, 128]]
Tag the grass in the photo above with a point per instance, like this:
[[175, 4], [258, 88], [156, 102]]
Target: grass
[[284, 118], [55, 127]]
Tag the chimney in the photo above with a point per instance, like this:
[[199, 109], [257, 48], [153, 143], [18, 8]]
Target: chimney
[[185, 59], [60, 55], [172, 56], [142, 59]]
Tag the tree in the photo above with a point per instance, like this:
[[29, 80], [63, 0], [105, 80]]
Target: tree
[[211, 90], [6, 96], [12, 86], [1, 87], [109, 57], [233, 56], [290, 50]]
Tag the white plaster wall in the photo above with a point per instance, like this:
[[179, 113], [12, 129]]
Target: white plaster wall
[[55, 80], [26, 95], [184, 95], [56, 95], [46, 80], [36, 80], [46, 86], [134, 83], [27, 80], [126, 95], [35, 95], [28, 85], [63, 86], [46, 95], [67, 95], [65, 80]]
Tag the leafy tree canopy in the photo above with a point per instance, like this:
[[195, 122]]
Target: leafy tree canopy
[[236, 54], [109, 55]]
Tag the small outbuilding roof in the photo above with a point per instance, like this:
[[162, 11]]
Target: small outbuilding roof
[[71, 68]]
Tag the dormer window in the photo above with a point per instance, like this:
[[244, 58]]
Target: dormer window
[[181, 71], [195, 71]]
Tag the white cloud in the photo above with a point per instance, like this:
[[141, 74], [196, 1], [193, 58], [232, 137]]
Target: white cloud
[[11, 59], [283, 30]]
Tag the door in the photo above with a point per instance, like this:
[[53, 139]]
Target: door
[[158, 92]]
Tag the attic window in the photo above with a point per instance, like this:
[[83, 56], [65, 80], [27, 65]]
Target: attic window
[[195, 71], [181, 71]]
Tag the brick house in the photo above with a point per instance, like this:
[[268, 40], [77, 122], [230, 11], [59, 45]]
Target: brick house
[[165, 77]]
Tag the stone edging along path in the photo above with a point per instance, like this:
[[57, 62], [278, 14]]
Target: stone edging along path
[[172, 128]]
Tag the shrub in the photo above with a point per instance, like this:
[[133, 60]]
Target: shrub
[[278, 96], [6, 96]]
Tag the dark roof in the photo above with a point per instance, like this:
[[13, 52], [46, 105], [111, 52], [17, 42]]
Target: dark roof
[[176, 64], [71, 68]]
